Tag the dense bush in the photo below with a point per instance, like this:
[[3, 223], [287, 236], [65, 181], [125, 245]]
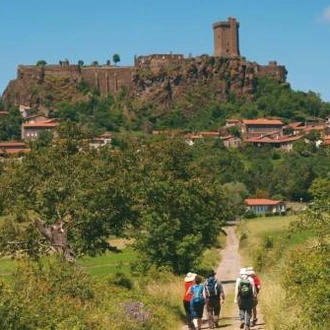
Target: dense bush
[[52, 295]]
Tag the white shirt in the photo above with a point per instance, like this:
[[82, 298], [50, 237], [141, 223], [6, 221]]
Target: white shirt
[[238, 281]]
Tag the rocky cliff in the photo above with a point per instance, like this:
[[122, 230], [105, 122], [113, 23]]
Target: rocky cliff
[[162, 81]]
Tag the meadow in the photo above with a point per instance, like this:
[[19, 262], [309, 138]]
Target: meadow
[[253, 235]]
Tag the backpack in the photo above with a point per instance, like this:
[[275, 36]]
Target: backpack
[[212, 287], [245, 288], [198, 293]]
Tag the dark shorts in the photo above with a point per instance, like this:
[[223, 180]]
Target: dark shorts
[[197, 309], [214, 305]]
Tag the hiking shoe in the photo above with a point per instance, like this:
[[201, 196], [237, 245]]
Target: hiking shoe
[[254, 322], [217, 325], [242, 325]]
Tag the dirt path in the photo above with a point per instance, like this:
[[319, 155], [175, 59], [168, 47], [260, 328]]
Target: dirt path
[[227, 272]]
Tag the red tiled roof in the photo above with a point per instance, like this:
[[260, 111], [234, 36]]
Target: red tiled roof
[[262, 121], [41, 124], [227, 137], [12, 144], [298, 124], [193, 136], [261, 201], [212, 133], [315, 128], [281, 139], [233, 120]]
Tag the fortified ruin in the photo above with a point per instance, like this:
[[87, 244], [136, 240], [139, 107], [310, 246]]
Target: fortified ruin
[[39, 86]]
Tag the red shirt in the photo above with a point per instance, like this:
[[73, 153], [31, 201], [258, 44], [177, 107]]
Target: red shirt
[[257, 282], [187, 296]]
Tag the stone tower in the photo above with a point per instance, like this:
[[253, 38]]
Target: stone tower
[[226, 42]]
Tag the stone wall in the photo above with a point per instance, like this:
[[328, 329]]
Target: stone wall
[[107, 79], [154, 62]]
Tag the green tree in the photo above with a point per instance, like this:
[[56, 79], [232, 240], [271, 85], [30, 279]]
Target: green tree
[[68, 181], [41, 63], [181, 214], [10, 125], [116, 58]]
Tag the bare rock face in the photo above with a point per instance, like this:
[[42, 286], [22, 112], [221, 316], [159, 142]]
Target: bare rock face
[[222, 76]]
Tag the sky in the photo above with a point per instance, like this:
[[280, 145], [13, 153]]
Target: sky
[[294, 33]]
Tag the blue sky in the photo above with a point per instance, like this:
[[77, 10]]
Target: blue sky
[[295, 33]]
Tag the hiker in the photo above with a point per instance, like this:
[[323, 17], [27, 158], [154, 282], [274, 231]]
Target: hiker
[[251, 273], [188, 282], [245, 293], [197, 302], [215, 296]]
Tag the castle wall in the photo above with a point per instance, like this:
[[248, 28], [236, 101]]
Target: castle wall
[[38, 72], [107, 79]]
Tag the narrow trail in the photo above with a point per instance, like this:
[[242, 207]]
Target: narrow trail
[[227, 273]]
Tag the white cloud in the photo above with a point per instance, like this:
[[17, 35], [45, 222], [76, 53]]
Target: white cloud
[[326, 14]]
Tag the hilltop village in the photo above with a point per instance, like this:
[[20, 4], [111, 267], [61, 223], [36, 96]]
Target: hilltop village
[[158, 74]]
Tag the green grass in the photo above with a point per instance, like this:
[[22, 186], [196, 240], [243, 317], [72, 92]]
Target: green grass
[[259, 226], [99, 266], [7, 267], [252, 232], [109, 263]]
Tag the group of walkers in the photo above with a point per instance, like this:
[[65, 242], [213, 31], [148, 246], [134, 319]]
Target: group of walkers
[[209, 295], [197, 295]]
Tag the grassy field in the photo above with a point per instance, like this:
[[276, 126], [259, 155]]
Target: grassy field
[[108, 263], [100, 266], [253, 234]]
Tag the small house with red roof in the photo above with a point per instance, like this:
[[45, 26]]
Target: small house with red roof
[[32, 131], [264, 205], [282, 142], [261, 126], [14, 148]]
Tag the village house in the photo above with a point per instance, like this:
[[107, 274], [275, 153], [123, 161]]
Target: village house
[[12, 148], [31, 131], [263, 205], [282, 142], [103, 140], [233, 122], [259, 127], [231, 141]]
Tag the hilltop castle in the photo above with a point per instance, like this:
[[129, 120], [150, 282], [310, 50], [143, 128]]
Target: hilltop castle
[[110, 79]]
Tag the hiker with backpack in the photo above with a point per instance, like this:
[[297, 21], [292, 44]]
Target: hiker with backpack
[[251, 273], [189, 280], [215, 295], [245, 293], [197, 301]]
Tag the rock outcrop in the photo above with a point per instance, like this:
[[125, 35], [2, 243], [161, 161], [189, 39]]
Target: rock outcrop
[[160, 79]]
